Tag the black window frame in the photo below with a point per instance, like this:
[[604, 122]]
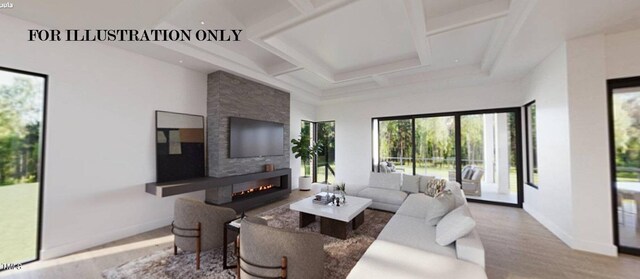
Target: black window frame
[[517, 111], [529, 150], [314, 162], [41, 181]]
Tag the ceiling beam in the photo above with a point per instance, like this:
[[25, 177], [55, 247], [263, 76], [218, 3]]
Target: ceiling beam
[[293, 56], [417, 24], [381, 80], [392, 67], [304, 6], [282, 69], [506, 31], [468, 16]]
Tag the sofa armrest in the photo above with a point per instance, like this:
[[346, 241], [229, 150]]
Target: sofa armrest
[[470, 248]]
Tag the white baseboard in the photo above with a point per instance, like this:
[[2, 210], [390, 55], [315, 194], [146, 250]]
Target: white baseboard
[[607, 249], [106, 237], [551, 226]]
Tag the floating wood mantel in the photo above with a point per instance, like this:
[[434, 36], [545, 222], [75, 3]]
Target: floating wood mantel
[[171, 188]]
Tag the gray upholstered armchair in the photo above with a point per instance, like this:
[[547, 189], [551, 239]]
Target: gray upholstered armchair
[[271, 252], [198, 226]]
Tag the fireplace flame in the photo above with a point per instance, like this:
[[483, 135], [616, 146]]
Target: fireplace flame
[[253, 190]]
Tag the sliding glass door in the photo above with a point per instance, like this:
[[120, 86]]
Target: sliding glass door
[[479, 149], [326, 159], [624, 108], [489, 157], [436, 147], [395, 145], [22, 103], [322, 166]]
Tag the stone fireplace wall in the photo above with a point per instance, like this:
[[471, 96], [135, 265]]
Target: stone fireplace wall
[[229, 95]]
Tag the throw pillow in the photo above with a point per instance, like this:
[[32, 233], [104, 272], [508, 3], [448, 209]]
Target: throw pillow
[[385, 180], [455, 189], [439, 206], [453, 226], [410, 183], [434, 187], [468, 174], [424, 180]]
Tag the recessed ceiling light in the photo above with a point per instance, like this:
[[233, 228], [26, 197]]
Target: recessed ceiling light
[[180, 61], [202, 22], [456, 61]]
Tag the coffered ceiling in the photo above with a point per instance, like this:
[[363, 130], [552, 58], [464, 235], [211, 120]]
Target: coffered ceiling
[[328, 49]]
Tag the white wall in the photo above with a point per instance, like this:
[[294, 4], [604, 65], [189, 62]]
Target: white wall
[[299, 111], [100, 135], [590, 173], [353, 119], [622, 56], [551, 204], [572, 82]]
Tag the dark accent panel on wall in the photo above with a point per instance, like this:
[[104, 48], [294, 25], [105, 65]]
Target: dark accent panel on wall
[[188, 163], [229, 95]]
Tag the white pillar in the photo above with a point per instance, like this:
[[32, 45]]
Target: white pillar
[[489, 147], [503, 146]]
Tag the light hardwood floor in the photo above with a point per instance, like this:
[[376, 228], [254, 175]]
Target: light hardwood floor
[[516, 246]]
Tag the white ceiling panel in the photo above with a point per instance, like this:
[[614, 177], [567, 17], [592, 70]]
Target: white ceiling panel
[[251, 12], [463, 46], [435, 8], [363, 34]]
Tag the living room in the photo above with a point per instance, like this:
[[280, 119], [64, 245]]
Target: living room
[[352, 139]]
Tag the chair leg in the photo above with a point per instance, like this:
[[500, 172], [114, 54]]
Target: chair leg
[[198, 248], [175, 248], [238, 256], [283, 267]]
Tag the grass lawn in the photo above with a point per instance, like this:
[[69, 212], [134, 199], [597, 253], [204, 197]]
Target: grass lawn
[[19, 222]]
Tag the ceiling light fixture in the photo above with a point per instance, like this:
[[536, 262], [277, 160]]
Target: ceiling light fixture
[[180, 61], [202, 22], [456, 61]]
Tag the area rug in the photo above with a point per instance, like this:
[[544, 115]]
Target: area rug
[[341, 255]]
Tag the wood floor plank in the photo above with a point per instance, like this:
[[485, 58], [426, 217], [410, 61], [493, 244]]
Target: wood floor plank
[[516, 246]]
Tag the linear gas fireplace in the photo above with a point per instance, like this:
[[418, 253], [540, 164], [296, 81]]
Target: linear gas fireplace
[[240, 192], [255, 187], [243, 192]]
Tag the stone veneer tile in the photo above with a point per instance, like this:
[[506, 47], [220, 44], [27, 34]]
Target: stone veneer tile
[[232, 96]]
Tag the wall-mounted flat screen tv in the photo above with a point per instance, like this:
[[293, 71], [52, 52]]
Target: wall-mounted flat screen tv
[[255, 138]]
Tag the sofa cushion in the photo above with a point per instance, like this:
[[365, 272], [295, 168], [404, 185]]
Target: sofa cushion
[[410, 183], [424, 180], [383, 195], [414, 232], [454, 225], [439, 206], [386, 259], [415, 206], [385, 180]]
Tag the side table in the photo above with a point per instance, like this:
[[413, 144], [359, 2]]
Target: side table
[[228, 227]]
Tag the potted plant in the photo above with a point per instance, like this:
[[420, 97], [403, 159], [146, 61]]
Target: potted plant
[[304, 149]]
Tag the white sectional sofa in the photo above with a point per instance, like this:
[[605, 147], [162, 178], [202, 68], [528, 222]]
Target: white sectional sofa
[[406, 247]]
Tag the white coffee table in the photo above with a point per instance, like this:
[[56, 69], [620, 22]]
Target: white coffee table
[[334, 220]]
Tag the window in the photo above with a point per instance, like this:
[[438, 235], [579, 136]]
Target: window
[[326, 159], [532, 144], [306, 130], [479, 149], [322, 167], [22, 112], [395, 143]]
